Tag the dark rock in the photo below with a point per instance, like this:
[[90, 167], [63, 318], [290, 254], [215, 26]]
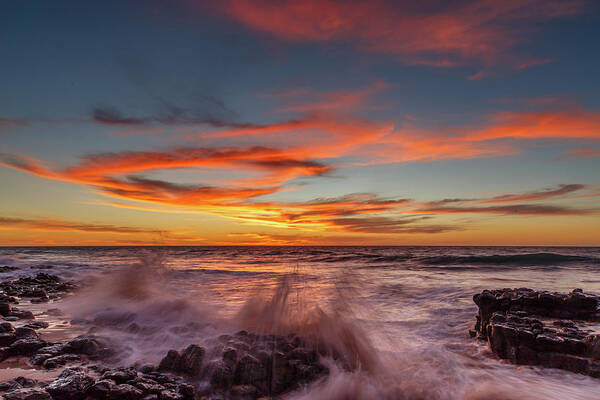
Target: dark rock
[[27, 394], [5, 309], [58, 361], [124, 392], [25, 332], [83, 345], [6, 339], [120, 375], [100, 389], [190, 361], [170, 395], [21, 314], [509, 319], [10, 385], [37, 325], [169, 362], [70, 385], [25, 347], [250, 371], [6, 327]]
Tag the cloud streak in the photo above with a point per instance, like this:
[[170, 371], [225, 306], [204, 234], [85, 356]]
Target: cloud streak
[[448, 34]]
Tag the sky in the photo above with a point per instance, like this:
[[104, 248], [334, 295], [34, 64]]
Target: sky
[[254, 122]]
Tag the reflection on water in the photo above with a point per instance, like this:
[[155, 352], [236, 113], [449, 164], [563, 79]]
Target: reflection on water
[[398, 316]]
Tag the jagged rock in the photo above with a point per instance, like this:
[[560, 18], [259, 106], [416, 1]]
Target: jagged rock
[[124, 392], [25, 347], [100, 389], [72, 384], [169, 361], [190, 361], [37, 325], [512, 321], [58, 361], [120, 375], [27, 394]]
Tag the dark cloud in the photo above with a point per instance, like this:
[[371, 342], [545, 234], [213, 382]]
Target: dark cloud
[[388, 225], [514, 209], [59, 225], [536, 195]]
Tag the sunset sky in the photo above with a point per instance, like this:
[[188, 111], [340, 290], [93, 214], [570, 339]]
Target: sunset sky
[[463, 122]]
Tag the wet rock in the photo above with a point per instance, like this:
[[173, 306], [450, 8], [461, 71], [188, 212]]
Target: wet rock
[[37, 325], [169, 362], [124, 392], [250, 371], [21, 314], [120, 375], [220, 374], [512, 321], [83, 345], [26, 332], [27, 394], [6, 339], [6, 327], [190, 361], [72, 384], [100, 389], [54, 362], [170, 395], [25, 347], [10, 385], [5, 309]]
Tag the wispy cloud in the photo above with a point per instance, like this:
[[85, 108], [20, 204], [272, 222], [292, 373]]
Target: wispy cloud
[[449, 34], [513, 209], [53, 225]]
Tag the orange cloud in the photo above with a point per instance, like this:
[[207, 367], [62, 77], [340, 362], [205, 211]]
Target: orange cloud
[[455, 33]]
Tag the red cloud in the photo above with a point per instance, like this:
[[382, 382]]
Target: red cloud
[[447, 34]]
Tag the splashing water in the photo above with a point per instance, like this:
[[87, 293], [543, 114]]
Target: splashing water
[[390, 323]]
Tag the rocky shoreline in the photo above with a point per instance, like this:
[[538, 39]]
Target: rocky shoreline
[[243, 365], [547, 329]]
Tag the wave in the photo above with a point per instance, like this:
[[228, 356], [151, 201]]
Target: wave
[[514, 259]]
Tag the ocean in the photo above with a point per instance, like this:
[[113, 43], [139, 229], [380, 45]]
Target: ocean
[[407, 310]]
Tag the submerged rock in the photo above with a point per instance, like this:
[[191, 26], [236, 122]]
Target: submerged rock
[[531, 327]]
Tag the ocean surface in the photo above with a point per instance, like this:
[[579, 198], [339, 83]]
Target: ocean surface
[[407, 310]]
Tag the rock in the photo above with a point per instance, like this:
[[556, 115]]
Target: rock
[[26, 332], [37, 325], [190, 361], [5, 309], [25, 347], [21, 314], [10, 385], [124, 392], [100, 388], [170, 395], [27, 394], [6, 327], [220, 374], [511, 320], [6, 339], [83, 345], [58, 361], [169, 362], [71, 384], [250, 371]]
